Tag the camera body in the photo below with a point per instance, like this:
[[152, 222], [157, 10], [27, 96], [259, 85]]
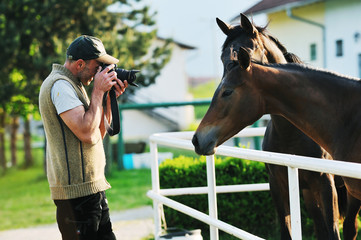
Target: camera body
[[124, 74]]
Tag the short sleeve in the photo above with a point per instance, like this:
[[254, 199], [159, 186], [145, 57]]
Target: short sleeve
[[64, 96]]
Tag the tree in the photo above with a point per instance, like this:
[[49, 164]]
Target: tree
[[34, 34]]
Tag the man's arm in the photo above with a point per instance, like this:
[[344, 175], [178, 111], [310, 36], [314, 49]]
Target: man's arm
[[108, 116], [86, 125]]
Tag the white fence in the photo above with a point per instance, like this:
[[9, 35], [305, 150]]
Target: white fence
[[293, 162]]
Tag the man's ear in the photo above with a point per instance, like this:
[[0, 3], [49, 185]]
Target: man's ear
[[80, 64], [244, 59]]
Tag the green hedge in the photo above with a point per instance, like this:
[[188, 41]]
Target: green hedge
[[253, 212]]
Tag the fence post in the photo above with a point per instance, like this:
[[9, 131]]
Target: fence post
[[294, 196], [212, 194], [157, 207]]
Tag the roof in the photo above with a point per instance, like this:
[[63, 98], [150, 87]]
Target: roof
[[267, 6], [181, 45]]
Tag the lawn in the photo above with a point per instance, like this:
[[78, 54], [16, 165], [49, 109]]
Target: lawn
[[202, 91], [25, 197]]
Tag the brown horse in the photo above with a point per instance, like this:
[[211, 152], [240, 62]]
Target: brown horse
[[323, 105], [281, 136]]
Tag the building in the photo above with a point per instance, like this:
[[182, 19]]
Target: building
[[170, 86], [323, 33]]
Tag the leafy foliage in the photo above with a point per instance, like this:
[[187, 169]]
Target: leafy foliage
[[253, 212], [35, 34], [250, 211]]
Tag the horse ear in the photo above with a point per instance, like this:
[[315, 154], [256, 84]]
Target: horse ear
[[247, 25], [244, 59], [223, 26]]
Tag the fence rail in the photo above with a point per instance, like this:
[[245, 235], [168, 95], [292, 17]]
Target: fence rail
[[293, 162]]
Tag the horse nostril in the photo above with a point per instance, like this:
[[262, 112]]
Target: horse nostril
[[195, 140]]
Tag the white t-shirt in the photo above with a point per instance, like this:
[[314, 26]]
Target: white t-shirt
[[64, 96]]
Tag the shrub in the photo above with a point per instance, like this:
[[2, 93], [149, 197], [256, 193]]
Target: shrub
[[253, 211]]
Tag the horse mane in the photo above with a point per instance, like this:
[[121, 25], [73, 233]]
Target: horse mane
[[290, 57], [301, 67], [238, 30]]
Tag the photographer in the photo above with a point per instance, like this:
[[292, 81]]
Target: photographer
[[74, 128]]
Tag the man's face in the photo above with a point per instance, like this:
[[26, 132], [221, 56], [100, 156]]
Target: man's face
[[87, 74]]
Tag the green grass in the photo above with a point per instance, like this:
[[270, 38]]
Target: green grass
[[202, 91], [25, 197], [129, 189], [205, 90]]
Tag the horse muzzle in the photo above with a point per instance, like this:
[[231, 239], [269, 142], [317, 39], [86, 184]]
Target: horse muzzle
[[204, 144]]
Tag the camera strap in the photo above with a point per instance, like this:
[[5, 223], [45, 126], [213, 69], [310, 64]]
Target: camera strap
[[114, 128]]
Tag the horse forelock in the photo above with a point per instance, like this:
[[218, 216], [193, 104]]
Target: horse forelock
[[236, 31]]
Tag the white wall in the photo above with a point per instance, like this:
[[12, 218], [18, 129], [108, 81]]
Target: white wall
[[297, 36], [139, 126], [170, 86], [343, 20]]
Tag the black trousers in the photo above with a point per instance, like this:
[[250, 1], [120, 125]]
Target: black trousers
[[84, 218]]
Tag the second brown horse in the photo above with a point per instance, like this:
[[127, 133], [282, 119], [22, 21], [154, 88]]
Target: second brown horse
[[323, 105], [281, 136]]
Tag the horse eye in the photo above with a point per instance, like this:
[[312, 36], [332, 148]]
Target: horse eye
[[226, 93], [231, 65]]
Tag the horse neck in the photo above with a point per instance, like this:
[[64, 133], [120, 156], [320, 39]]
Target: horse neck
[[273, 53], [309, 103]]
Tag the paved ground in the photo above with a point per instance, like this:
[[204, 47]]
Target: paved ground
[[133, 224]]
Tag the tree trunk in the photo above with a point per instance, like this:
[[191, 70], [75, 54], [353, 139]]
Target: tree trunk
[[13, 138], [2, 139], [27, 143]]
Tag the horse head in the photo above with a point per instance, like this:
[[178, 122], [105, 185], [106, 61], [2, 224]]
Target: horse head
[[263, 47], [236, 103], [225, 116]]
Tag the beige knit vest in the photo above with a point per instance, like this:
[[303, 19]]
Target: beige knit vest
[[74, 168]]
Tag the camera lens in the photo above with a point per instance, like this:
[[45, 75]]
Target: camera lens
[[123, 74]]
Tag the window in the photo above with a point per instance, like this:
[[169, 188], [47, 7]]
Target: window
[[339, 48], [313, 52]]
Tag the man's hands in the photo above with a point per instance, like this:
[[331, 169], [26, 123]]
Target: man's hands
[[106, 79], [88, 125]]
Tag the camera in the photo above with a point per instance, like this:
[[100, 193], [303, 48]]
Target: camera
[[124, 74]]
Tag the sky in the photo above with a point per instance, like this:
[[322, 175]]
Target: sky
[[193, 22]]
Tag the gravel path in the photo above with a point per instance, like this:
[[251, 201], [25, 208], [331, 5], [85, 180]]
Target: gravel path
[[133, 224]]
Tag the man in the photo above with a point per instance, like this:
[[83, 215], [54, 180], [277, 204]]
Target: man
[[74, 128]]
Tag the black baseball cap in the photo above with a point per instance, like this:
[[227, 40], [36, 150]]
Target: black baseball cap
[[87, 47]]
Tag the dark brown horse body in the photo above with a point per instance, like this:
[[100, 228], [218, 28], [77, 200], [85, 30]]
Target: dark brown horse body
[[281, 136], [323, 105]]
